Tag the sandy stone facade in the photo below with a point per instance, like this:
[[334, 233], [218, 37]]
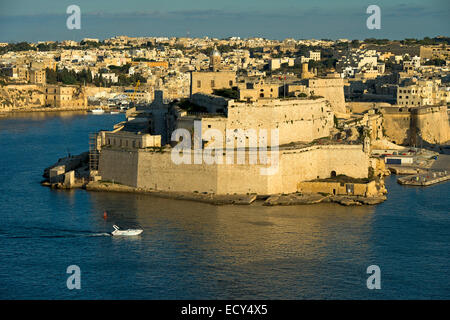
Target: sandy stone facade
[[65, 96], [207, 81], [155, 170], [332, 89], [405, 125], [296, 119]]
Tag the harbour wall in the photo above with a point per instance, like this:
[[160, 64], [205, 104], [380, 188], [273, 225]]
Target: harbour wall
[[155, 170]]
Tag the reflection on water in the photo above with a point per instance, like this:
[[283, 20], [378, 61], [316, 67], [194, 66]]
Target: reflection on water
[[191, 250], [44, 115], [246, 251]]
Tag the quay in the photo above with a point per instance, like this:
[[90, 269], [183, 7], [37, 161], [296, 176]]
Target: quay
[[425, 179]]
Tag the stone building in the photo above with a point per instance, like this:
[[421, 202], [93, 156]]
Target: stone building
[[215, 60], [65, 96], [206, 82], [37, 76], [314, 55], [422, 93], [296, 119], [257, 90], [306, 74], [435, 52]]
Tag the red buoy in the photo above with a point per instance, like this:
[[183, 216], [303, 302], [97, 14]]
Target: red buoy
[[105, 215]]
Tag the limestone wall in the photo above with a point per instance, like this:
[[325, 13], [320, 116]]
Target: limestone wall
[[120, 166], [332, 90], [206, 82], [319, 161], [409, 126], [397, 127], [157, 171], [296, 120], [433, 125]]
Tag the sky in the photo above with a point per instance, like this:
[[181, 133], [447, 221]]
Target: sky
[[43, 20]]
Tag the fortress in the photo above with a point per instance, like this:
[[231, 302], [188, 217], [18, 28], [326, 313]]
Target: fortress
[[154, 170], [139, 152], [414, 125]]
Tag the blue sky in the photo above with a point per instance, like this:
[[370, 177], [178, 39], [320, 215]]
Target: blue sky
[[35, 20]]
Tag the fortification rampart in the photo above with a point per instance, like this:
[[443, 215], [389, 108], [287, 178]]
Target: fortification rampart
[[411, 125], [332, 90], [156, 170]]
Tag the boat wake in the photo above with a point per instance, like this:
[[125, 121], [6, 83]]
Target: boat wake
[[57, 236], [36, 232]]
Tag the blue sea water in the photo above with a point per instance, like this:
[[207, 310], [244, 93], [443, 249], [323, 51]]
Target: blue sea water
[[197, 251]]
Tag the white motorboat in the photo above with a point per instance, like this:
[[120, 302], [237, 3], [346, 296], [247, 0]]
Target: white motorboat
[[98, 111], [127, 232]]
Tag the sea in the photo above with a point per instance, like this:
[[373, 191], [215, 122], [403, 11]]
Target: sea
[[191, 250]]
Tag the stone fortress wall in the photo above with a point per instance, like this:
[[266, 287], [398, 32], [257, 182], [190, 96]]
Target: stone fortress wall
[[155, 170], [296, 119], [332, 89], [432, 124], [409, 125]]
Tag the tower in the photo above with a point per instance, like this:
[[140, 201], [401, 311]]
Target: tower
[[215, 60]]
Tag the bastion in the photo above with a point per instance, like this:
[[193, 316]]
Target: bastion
[[154, 169]]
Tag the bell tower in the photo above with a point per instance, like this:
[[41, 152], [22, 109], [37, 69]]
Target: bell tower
[[215, 60]]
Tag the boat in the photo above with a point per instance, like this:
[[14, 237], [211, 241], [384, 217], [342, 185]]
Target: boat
[[98, 111], [114, 112], [127, 232]]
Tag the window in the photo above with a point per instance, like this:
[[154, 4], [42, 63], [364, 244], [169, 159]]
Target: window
[[213, 84], [230, 83], [199, 84]]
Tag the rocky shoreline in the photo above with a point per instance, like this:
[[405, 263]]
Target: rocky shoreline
[[299, 199], [235, 199]]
